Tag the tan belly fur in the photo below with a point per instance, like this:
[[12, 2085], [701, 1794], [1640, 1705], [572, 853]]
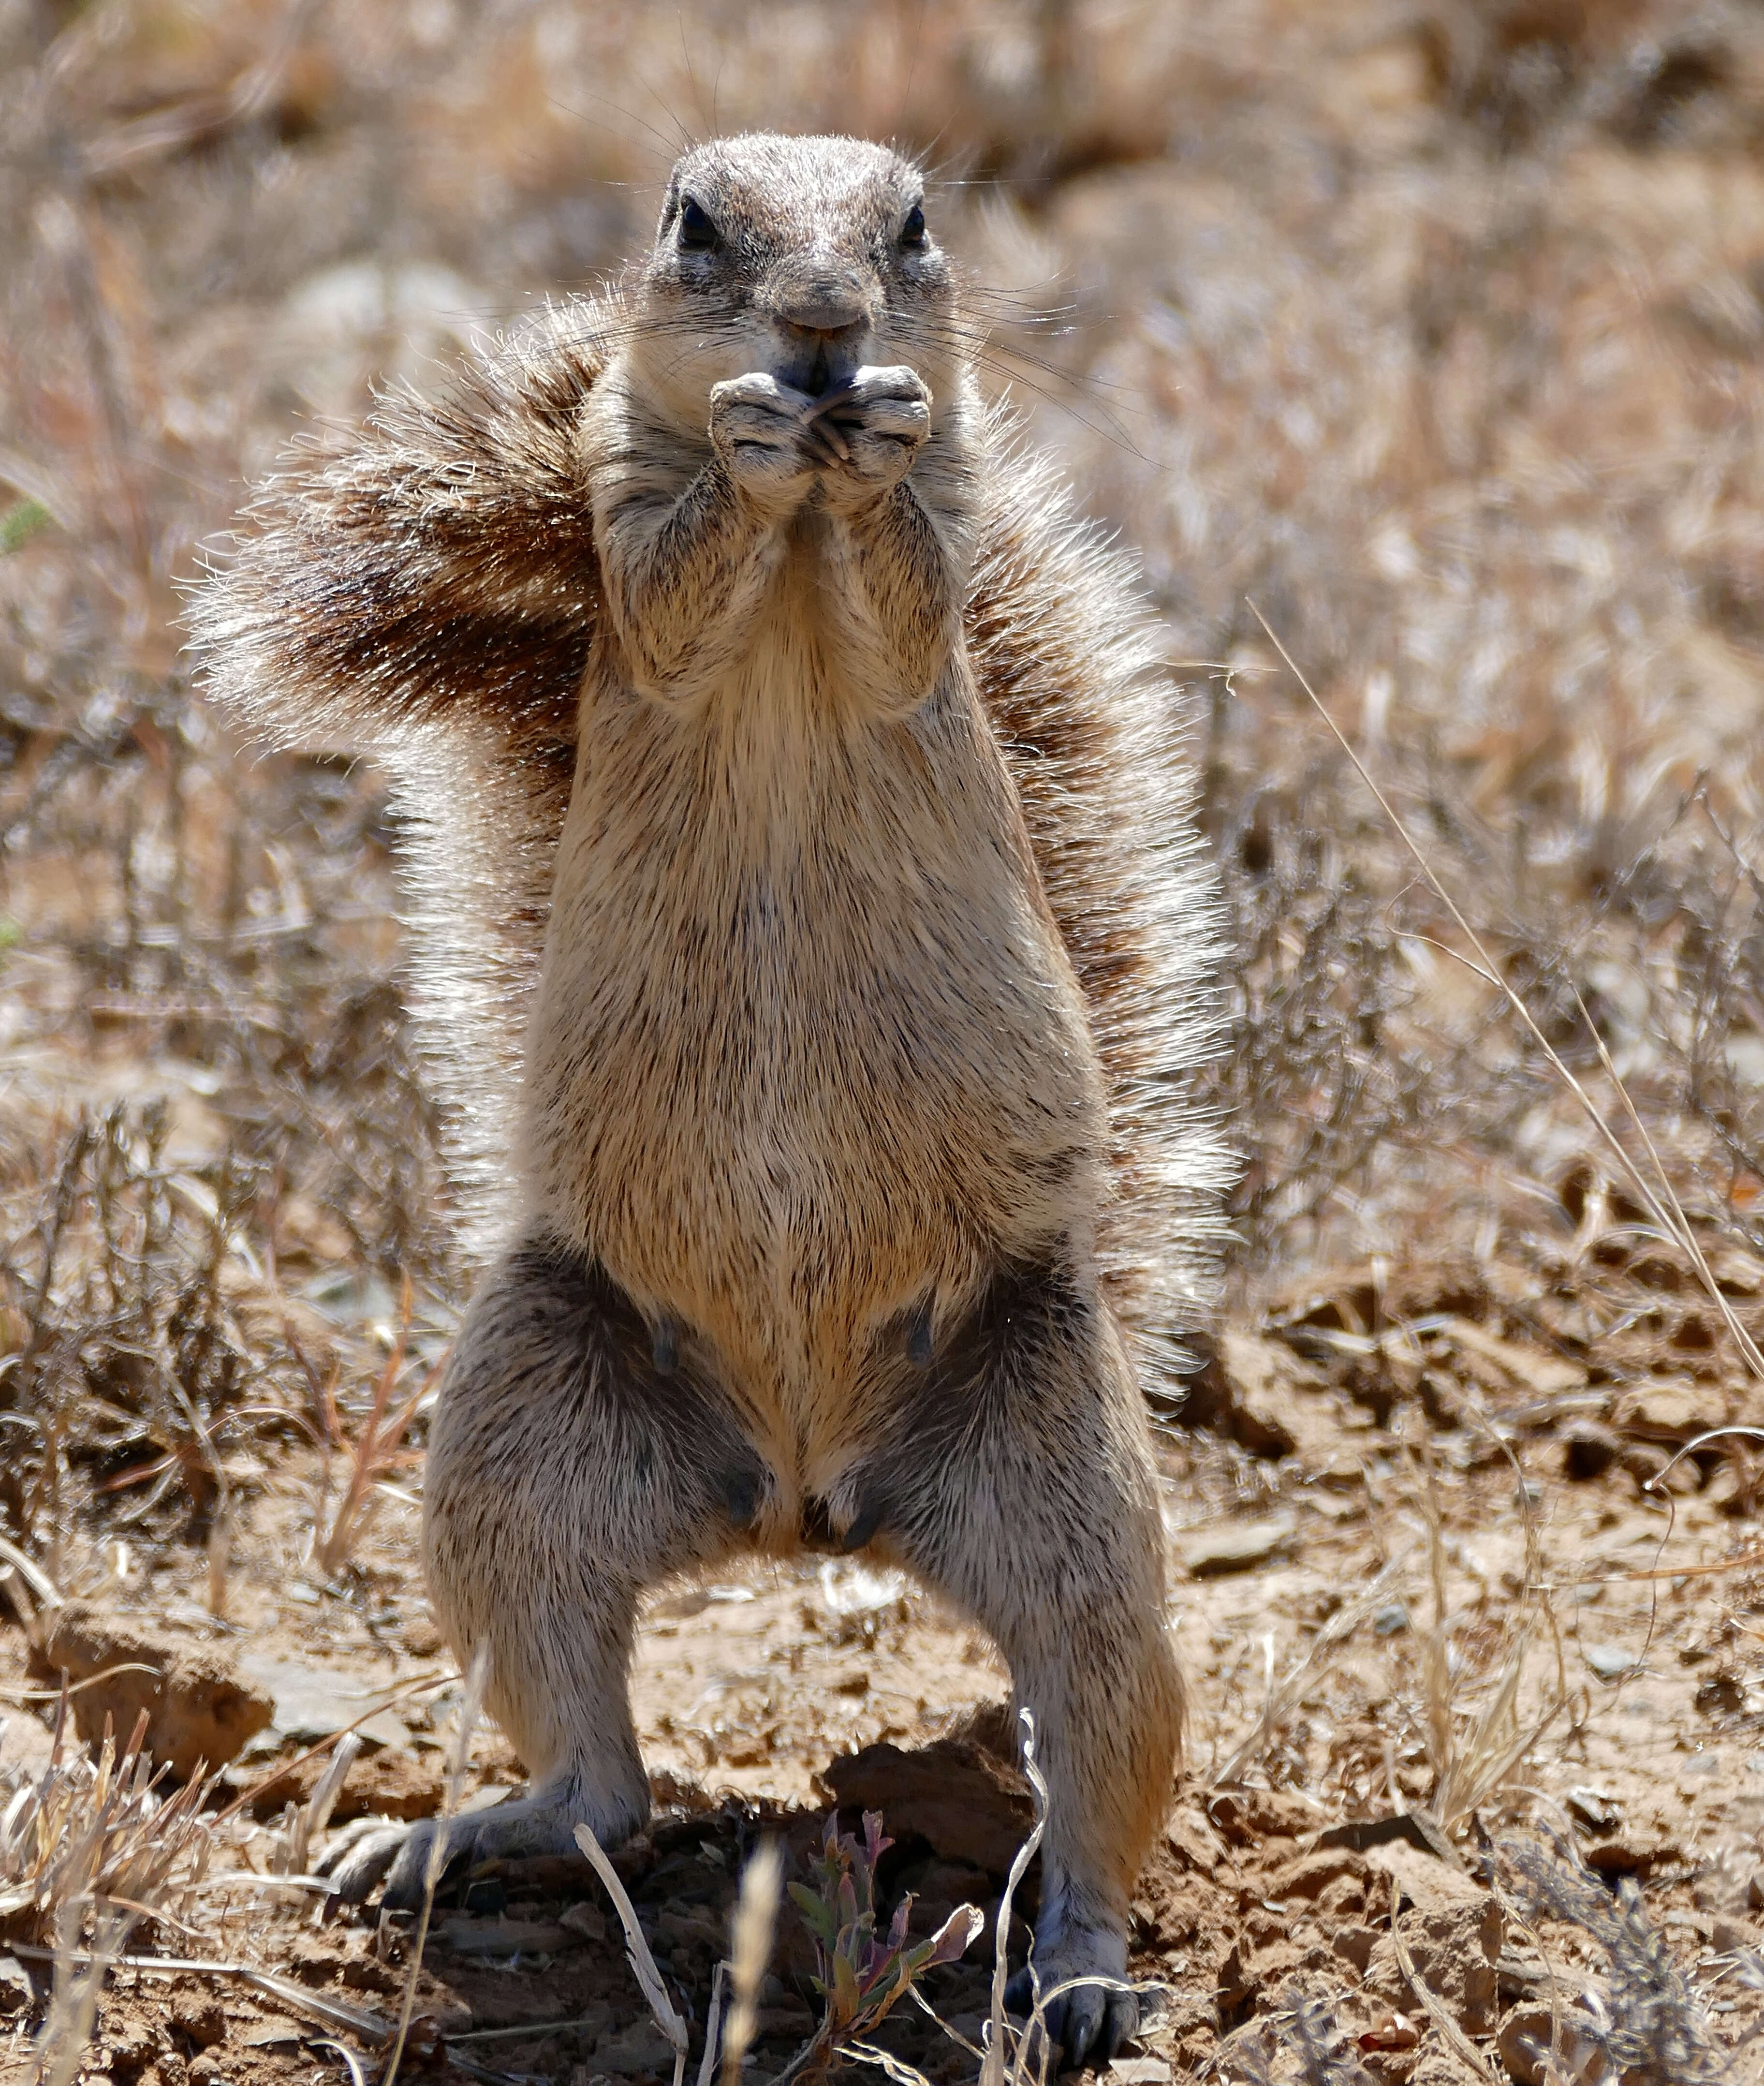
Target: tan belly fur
[[807, 1085]]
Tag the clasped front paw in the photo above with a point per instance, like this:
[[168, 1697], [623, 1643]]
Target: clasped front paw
[[870, 432], [759, 429]]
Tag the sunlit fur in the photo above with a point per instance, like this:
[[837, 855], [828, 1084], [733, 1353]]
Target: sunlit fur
[[833, 849]]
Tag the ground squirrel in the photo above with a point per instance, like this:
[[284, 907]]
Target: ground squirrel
[[782, 754]]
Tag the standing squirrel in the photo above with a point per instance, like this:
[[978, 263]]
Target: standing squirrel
[[816, 948]]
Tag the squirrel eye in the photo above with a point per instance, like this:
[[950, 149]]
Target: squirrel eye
[[697, 231], [912, 232]]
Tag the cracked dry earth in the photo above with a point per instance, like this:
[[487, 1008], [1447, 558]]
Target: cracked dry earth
[[1308, 1585]]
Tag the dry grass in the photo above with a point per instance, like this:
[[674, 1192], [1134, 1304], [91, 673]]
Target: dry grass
[[99, 1840]]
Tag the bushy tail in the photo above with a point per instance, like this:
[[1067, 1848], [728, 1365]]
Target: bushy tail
[[1069, 665], [428, 597]]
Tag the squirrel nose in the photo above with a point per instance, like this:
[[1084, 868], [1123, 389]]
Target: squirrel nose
[[820, 302]]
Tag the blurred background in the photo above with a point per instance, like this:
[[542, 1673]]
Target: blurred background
[[1433, 328]]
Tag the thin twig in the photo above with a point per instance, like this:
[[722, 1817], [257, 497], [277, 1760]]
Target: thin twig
[[643, 1963]]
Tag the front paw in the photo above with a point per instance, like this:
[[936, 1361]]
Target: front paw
[[760, 430], [871, 431]]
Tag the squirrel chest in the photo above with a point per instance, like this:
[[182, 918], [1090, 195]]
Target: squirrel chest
[[807, 1051]]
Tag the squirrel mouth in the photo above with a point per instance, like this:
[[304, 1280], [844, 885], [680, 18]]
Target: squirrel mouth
[[820, 375]]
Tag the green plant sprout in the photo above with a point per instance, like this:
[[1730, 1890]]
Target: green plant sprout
[[861, 1973]]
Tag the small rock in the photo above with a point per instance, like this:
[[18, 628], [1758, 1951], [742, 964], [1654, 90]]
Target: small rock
[[1453, 1933], [691, 1930], [1233, 1547], [1524, 2041], [1258, 1383], [957, 1795], [273, 2033], [587, 1920], [199, 2013], [25, 1746], [1310, 1874], [1754, 1890], [1727, 1934], [1247, 1817], [1354, 1945], [200, 1710], [399, 1785], [1529, 1368], [129, 2046], [1610, 1662], [1139, 2070], [1671, 1411], [311, 1703], [1192, 1841], [1595, 1808], [789, 2018]]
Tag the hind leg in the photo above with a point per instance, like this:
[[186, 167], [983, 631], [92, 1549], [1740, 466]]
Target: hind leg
[[576, 1458], [1026, 1491]]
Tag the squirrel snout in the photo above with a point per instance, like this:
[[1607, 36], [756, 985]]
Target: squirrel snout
[[818, 297]]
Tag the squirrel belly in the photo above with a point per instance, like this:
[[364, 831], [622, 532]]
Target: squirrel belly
[[808, 1056]]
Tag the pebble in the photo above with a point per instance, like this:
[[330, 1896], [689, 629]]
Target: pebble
[[1235, 1546]]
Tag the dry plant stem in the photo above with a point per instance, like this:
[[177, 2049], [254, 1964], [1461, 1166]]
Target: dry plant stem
[[42, 1587], [73, 2009], [992, 2066], [896, 2068], [376, 1449], [11, 1694], [527, 2030], [1455, 2037], [287, 1766], [756, 1916], [470, 1707], [352, 2063], [1661, 1204], [316, 1814], [643, 1963], [713, 2022]]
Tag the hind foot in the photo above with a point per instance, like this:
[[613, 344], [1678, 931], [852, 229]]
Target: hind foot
[[543, 1822], [1088, 2024]]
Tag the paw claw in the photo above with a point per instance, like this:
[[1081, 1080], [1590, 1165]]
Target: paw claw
[[355, 1862], [1085, 2026]]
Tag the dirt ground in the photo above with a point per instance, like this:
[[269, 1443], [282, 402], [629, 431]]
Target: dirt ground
[[1305, 1609], [1436, 332]]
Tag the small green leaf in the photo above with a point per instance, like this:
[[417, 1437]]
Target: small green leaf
[[817, 1917], [20, 522], [846, 1996]]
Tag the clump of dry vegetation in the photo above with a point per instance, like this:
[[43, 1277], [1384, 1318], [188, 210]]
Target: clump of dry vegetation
[[101, 1838]]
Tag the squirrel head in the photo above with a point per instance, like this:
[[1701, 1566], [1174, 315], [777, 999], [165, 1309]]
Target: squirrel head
[[807, 258]]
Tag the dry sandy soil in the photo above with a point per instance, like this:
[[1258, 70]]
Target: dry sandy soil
[[1434, 330]]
